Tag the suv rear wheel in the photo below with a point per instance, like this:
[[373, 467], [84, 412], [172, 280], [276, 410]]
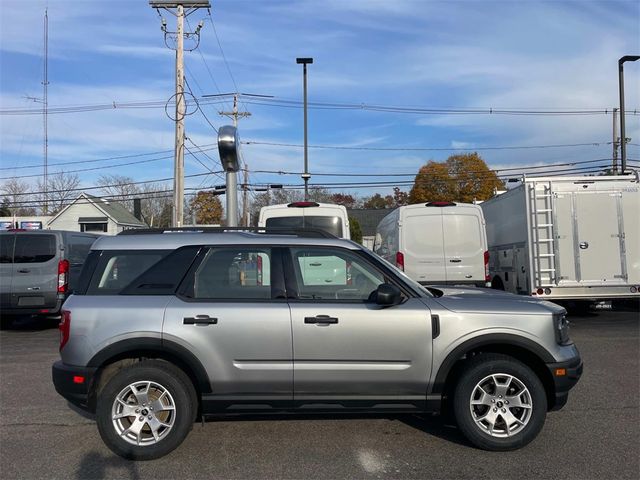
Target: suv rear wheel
[[499, 403], [146, 410]]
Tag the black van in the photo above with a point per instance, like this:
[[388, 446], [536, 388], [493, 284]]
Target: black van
[[39, 268]]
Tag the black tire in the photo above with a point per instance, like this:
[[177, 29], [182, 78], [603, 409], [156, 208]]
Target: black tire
[[479, 369], [163, 377]]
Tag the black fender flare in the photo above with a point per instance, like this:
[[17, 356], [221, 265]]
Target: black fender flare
[[501, 339], [138, 346]]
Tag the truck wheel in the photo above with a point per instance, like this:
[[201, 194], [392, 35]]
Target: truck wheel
[[145, 411], [499, 403]]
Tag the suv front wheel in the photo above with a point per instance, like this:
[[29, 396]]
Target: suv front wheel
[[499, 403], [146, 410]]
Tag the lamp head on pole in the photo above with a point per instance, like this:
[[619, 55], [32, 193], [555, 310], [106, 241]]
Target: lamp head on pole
[[628, 58], [228, 145], [304, 60]]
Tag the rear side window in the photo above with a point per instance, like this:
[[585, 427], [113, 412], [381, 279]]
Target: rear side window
[[6, 248], [332, 225], [78, 248], [164, 277], [116, 269], [233, 273], [34, 248]]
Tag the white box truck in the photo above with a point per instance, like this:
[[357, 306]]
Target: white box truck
[[566, 238], [436, 243]]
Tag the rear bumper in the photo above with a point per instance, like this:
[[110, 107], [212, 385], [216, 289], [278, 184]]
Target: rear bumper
[[33, 310], [565, 376], [589, 292], [66, 379]]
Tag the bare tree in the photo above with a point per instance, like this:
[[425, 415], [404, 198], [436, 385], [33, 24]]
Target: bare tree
[[15, 192], [119, 188], [155, 201], [61, 189]]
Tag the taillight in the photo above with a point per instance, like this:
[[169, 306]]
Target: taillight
[[487, 277], [63, 276], [400, 260], [64, 327]]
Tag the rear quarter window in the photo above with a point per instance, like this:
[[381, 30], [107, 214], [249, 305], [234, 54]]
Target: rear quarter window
[[116, 269]]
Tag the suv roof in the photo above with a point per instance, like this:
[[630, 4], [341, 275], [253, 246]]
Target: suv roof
[[172, 239]]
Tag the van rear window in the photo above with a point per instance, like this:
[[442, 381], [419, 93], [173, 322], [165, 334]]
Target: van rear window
[[116, 269], [34, 248], [332, 225]]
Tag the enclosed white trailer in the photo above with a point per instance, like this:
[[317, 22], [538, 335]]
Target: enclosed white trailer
[[574, 238]]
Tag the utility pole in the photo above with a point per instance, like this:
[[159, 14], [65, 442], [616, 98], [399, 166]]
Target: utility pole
[[234, 114], [180, 111], [178, 170], [616, 142], [245, 197]]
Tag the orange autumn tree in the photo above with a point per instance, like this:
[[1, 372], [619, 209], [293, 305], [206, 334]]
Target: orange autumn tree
[[462, 178]]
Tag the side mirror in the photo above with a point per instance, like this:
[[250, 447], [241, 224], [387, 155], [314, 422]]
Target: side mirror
[[388, 295]]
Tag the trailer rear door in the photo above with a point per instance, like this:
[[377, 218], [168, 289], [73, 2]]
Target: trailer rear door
[[598, 237]]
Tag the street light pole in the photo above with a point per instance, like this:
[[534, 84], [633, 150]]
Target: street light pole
[[623, 138], [305, 176]]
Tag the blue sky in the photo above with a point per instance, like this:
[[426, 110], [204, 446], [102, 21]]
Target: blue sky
[[452, 54]]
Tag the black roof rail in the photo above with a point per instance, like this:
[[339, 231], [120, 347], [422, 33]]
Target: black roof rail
[[300, 232]]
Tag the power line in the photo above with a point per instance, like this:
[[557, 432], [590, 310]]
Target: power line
[[209, 146], [518, 169], [426, 149], [268, 100]]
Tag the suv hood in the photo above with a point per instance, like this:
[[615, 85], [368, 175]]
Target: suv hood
[[469, 300]]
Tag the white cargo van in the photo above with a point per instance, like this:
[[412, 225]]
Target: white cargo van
[[319, 216], [436, 242], [567, 238]]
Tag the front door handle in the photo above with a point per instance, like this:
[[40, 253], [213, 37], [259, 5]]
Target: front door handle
[[23, 271], [455, 260], [200, 320], [321, 320]]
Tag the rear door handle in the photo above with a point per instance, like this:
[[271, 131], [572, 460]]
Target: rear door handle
[[200, 320], [24, 271], [321, 320], [455, 260]]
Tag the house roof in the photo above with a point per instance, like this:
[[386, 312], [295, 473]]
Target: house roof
[[112, 209], [368, 218], [115, 210]]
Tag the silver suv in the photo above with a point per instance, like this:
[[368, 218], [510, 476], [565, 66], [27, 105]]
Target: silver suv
[[168, 327]]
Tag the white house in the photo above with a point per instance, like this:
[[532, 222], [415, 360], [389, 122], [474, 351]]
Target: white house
[[93, 214]]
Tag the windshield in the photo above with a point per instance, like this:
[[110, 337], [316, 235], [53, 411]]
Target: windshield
[[332, 225]]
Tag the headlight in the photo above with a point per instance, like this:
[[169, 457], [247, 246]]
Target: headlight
[[561, 327]]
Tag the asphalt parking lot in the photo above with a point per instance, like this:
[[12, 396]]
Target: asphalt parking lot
[[597, 435]]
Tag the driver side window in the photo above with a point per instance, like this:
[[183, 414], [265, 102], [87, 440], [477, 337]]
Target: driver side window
[[333, 274]]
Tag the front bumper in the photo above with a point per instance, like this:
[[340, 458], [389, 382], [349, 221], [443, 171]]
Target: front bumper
[[565, 376], [66, 379]]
